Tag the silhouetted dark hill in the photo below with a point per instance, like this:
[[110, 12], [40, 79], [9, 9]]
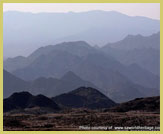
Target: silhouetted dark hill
[[84, 97], [24, 100], [149, 104]]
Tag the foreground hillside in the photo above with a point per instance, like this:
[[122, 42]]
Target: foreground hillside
[[140, 104], [26, 100], [84, 97], [142, 113], [148, 104]]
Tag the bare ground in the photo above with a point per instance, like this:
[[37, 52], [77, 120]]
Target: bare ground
[[79, 120]]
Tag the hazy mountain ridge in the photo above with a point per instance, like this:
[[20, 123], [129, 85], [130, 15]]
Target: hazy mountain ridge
[[55, 30], [131, 42], [78, 48], [46, 86], [52, 87], [144, 51]]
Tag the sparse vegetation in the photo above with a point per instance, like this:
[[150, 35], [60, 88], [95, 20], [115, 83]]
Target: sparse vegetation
[[72, 120]]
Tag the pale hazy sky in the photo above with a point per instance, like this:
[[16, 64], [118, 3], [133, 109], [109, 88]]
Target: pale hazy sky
[[151, 10]]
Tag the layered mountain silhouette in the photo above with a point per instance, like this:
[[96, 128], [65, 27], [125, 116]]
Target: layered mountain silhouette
[[142, 50], [149, 104], [70, 49], [24, 100], [52, 87], [97, 28], [131, 42], [118, 81], [84, 97], [46, 86], [13, 84]]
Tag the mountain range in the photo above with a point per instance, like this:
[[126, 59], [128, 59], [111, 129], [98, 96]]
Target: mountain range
[[96, 27], [122, 70], [46, 86], [142, 50], [82, 64]]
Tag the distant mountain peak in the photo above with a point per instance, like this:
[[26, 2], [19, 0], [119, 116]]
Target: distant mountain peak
[[113, 12], [70, 76], [76, 43], [138, 41], [130, 36], [16, 58]]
